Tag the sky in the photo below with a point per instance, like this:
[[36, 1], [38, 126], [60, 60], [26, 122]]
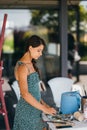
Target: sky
[[16, 18], [84, 3]]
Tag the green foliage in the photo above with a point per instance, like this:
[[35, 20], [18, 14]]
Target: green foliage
[[47, 18], [71, 18], [8, 45], [84, 58], [83, 14]]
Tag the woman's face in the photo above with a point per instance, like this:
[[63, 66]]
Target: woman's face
[[36, 52]]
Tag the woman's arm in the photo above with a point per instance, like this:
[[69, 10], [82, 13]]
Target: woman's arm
[[22, 80], [42, 102]]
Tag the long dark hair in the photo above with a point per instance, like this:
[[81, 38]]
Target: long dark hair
[[34, 41]]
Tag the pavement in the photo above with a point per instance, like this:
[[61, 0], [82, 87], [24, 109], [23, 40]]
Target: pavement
[[82, 82]]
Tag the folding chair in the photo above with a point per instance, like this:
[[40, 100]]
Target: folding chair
[[59, 85]]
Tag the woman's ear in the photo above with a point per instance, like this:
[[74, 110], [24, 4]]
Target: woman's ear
[[30, 47]]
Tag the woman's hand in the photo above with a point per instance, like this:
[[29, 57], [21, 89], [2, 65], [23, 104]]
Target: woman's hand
[[49, 110]]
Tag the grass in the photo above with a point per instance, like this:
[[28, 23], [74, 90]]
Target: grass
[[8, 45]]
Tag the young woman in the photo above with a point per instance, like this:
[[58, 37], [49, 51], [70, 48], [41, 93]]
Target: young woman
[[30, 107]]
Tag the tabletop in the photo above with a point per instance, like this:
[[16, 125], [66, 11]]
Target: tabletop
[[82, 125]]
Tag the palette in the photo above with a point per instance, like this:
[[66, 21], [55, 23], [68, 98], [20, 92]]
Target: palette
[[61, 120]]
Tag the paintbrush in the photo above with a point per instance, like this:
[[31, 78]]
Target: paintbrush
[[62, 122]]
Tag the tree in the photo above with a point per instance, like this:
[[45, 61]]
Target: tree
[[49, 18]]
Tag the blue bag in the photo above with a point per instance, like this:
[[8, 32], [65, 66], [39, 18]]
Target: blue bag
[[70, 102]]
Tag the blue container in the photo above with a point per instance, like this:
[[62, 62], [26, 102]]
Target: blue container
[[70, 102]]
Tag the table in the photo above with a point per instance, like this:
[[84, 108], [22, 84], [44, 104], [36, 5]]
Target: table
[[78, 125]]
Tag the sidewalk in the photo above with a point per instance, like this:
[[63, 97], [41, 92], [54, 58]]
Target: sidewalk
[[82, 81], [5, 85]]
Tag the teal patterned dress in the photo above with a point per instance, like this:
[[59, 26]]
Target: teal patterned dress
[[27, 117]]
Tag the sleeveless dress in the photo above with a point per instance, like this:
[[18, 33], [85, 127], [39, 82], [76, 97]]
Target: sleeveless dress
[[26, 116]]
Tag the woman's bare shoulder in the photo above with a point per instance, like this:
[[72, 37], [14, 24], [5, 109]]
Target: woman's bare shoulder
[[20, 70]]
